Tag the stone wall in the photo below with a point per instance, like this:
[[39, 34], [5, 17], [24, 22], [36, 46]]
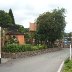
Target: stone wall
[[28, 53]]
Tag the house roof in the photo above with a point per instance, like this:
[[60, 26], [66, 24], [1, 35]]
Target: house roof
[[32, 27], [12, 29], [14, 33]]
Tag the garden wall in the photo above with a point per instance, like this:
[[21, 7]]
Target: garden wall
[[28, 53]]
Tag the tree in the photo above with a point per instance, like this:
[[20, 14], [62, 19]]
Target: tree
[[26, 30], [50, 25], [5, 22], [20, 28], [5, 19], [11, 14]]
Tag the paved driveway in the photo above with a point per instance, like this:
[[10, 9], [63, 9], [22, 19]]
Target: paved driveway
[[48, 62]]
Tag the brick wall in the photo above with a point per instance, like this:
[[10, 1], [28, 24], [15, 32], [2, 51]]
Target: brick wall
[[21, 39], [32, 27]]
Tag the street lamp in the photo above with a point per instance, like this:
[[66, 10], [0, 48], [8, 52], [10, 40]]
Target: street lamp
[[70, 51], [70, 45]]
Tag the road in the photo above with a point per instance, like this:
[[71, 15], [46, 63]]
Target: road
[[48, 62]]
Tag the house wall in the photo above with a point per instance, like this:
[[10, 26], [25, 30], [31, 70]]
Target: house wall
[[21, 39]]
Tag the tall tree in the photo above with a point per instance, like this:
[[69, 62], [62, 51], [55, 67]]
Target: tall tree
[[50, 25], [5, 19], [5, 22], [11, 14]]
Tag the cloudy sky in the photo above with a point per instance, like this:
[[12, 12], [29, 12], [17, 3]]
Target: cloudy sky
[[26, 11]]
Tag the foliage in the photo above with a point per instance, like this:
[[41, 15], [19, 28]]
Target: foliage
[[26, 30], [21, 48], [42, 46], [68, 66], [39, 47], [5, 19], [50, 25], [28, 38], [20, 28], [16, 48], [12, 40], [11, 48], [11, 14], [28, 47], [35, 48]]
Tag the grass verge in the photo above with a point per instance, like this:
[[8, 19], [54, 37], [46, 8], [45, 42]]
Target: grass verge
[[67, 66]]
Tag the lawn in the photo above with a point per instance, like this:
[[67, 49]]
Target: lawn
[[67, 66]]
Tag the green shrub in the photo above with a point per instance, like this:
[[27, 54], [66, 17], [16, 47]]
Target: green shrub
[[42, 46], [11, 48], [16, 48], [35, 48], [12, 40], [28, 47], [21, 48], [39, 47]]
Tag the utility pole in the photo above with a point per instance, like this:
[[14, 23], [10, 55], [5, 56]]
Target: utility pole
[[0, 45]]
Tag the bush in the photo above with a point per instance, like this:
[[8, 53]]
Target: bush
[[22, 48], [16, 48], [35, 48], [12, 40], [11, 48], [39, 47], [42, 46], [28, 47]]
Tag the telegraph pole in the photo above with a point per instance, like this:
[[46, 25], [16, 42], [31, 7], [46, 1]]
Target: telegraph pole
[[0, 45]]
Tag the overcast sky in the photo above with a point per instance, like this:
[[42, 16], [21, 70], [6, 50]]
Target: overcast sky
[[26, 11]]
